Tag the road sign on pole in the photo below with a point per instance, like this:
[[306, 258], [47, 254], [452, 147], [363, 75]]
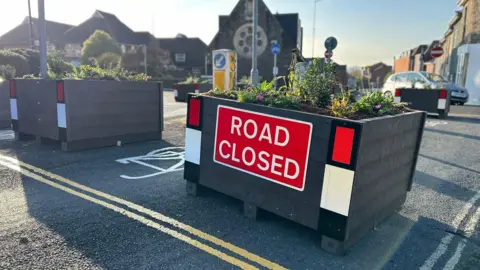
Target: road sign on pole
[[328, 54], [436, 52], [275, 48], [331, 43]]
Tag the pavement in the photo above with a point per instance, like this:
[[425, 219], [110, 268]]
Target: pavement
[[126, 208]]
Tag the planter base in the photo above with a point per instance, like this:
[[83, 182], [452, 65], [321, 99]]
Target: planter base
[[192, 189], [250, 211], [20, 136], [110, 141]]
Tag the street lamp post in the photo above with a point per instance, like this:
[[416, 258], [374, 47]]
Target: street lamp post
[[314, 17], [42, 36], [254, 72]]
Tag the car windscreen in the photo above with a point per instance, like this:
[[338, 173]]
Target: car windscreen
[[434, 77]]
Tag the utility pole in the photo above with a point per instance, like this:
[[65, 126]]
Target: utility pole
[[42, 39], [145, 57], [30, 25], [254, 72], [314, 18]]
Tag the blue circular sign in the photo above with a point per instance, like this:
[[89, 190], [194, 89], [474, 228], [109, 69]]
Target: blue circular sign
[[331, 43], [275, 48], [219, 61]]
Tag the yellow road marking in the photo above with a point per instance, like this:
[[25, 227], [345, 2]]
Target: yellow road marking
[[217, 241], [136, 217]]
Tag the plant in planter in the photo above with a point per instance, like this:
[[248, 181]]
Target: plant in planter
[[336, 165]]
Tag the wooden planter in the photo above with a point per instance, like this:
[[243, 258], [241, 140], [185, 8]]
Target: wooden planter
[[84, 114], [340, 177], [181, 91], [436, 101]]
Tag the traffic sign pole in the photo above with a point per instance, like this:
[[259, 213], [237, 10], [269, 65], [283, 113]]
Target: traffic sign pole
[[275, 51]]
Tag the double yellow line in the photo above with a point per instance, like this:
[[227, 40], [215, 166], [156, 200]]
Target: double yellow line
[[36, 174]]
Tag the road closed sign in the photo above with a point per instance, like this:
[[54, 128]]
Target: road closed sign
[[273, 148]]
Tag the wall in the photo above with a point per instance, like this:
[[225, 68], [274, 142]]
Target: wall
[[5, 119], [402, 64], [472, 82], [472, 21]]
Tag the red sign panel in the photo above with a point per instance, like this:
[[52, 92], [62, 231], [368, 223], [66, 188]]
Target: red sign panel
[[437, 52], [273, 148], [328, 54]]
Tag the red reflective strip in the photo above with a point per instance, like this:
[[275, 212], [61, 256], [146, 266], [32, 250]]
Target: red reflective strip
[[175, 86], [343, 145], [12, 88], [194, 112], [443, 94], [397, 92], [60, 94], [196, 86]]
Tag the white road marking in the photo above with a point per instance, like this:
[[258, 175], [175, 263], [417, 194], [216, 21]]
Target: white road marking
[[443, 246], [435, 123], [168, 153], [469, 229]]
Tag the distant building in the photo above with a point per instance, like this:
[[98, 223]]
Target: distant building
[[235, 33], [376, 74], [19, 36]]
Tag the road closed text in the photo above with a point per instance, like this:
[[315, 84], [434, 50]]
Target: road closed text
[[263, 145]]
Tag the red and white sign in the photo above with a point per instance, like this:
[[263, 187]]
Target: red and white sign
[[328, 54], [273, 148], [436, 52]]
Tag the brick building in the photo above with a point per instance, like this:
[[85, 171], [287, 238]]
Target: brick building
[[235, 33]]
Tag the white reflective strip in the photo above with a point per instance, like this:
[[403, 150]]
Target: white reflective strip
[[442, 104], [196, 92], [337, 189], [13, 108], [193, 139], [175, 93], [397, 99], [61, 115]]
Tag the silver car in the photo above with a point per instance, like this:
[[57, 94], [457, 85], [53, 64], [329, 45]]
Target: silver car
[[425, 80]]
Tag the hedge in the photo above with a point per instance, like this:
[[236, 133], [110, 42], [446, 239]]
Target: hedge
[[33, 59], [18, 61]]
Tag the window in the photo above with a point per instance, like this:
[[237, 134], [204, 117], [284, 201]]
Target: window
[[180, 57], [415, 77]]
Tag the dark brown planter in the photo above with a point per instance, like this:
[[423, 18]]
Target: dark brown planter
[[5, 118], [84, 114], [435, 101], [340, 177], [181, 91]]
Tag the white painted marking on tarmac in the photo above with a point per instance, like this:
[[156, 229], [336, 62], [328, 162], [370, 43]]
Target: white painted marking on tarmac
[[469, 229], [168, 153], [443, 246], [435, 123]]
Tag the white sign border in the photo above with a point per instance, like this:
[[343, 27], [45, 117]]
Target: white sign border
[[254, 174]]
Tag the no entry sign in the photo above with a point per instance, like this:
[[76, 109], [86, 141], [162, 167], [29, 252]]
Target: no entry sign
[[328, 54], [270, 147], [437, 52]]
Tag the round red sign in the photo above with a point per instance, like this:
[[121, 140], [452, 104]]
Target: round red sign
[[328, 54], [437, 52]]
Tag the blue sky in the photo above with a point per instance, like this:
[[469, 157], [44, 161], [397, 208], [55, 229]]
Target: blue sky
[[368, 31]]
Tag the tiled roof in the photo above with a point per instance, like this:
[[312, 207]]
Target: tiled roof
[[107, 22], [194, 48], [20, 35]]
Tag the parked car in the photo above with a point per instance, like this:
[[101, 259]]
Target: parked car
[[425, 80]]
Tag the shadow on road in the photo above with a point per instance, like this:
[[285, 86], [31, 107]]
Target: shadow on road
[[444, 187], [444, 132], [449, 163]]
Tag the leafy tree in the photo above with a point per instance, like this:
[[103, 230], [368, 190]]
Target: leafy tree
[[56, 65], [97, 44], [357, 73], [319, 83], [386, 77], [109, 60], [18, 61]]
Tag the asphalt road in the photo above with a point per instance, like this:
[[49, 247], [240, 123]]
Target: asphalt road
[[50, 223]]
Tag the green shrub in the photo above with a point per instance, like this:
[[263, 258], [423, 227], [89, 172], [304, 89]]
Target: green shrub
[[192, 80], [109, 60], [30, 76], [7, 72], [319, 83], [97, 44], [57, 65], [33, 59], [97, 73], [18, 61]]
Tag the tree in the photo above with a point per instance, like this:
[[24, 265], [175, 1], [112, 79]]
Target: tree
[[97, 44], [109, 60], [357, 73], [387, 76]]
